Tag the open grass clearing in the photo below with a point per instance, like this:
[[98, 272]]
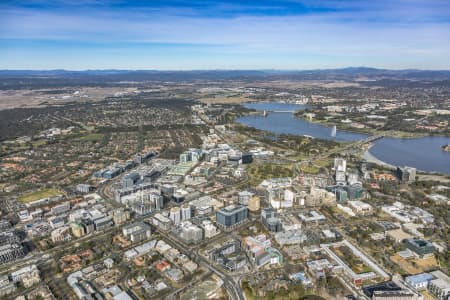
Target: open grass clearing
[[41, 194]]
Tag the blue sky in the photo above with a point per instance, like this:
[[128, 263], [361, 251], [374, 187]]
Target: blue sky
[[200, 34]]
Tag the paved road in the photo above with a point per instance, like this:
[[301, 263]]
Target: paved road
[[232, 287], [359, 143], [104, 191], [37, 256]]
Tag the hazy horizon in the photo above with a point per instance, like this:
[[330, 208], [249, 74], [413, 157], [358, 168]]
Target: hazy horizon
[[219, 70]]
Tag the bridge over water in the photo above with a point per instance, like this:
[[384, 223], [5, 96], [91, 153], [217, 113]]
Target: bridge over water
[[372, 138], [280, 111], [359, 143]]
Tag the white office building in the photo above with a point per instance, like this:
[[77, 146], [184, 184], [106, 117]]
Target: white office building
[[175, 215], [185, 212]]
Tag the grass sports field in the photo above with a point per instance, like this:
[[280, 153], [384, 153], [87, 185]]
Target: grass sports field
[[45, 193]]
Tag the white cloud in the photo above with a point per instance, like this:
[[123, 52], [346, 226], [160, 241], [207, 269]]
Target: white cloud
[[409, 31]]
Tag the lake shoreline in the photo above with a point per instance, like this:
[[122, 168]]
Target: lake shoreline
[[369, 157], [399, 135], [423, 153]]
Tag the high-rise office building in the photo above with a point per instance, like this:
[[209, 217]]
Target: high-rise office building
[[231, 216], [185, 212], [406, 174], [175, 215], [269, 218]]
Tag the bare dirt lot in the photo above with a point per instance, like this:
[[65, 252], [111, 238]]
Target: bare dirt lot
[[415, 266]]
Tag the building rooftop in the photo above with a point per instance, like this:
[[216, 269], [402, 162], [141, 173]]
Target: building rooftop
[[419, 243], [387, 286], [312, 216], [122, 296], [232, 208], [420, 246], [359, 204], [416, 279], [441, 279]]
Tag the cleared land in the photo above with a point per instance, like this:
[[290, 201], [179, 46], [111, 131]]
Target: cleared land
[[415, 266], [45, 193]]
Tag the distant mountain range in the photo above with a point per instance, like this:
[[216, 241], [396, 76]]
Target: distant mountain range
[[355, 71], [56, 78]]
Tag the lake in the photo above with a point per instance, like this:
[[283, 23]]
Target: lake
[[422, 153]]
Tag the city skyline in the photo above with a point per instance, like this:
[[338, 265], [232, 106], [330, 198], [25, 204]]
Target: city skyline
[[179, 35]]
